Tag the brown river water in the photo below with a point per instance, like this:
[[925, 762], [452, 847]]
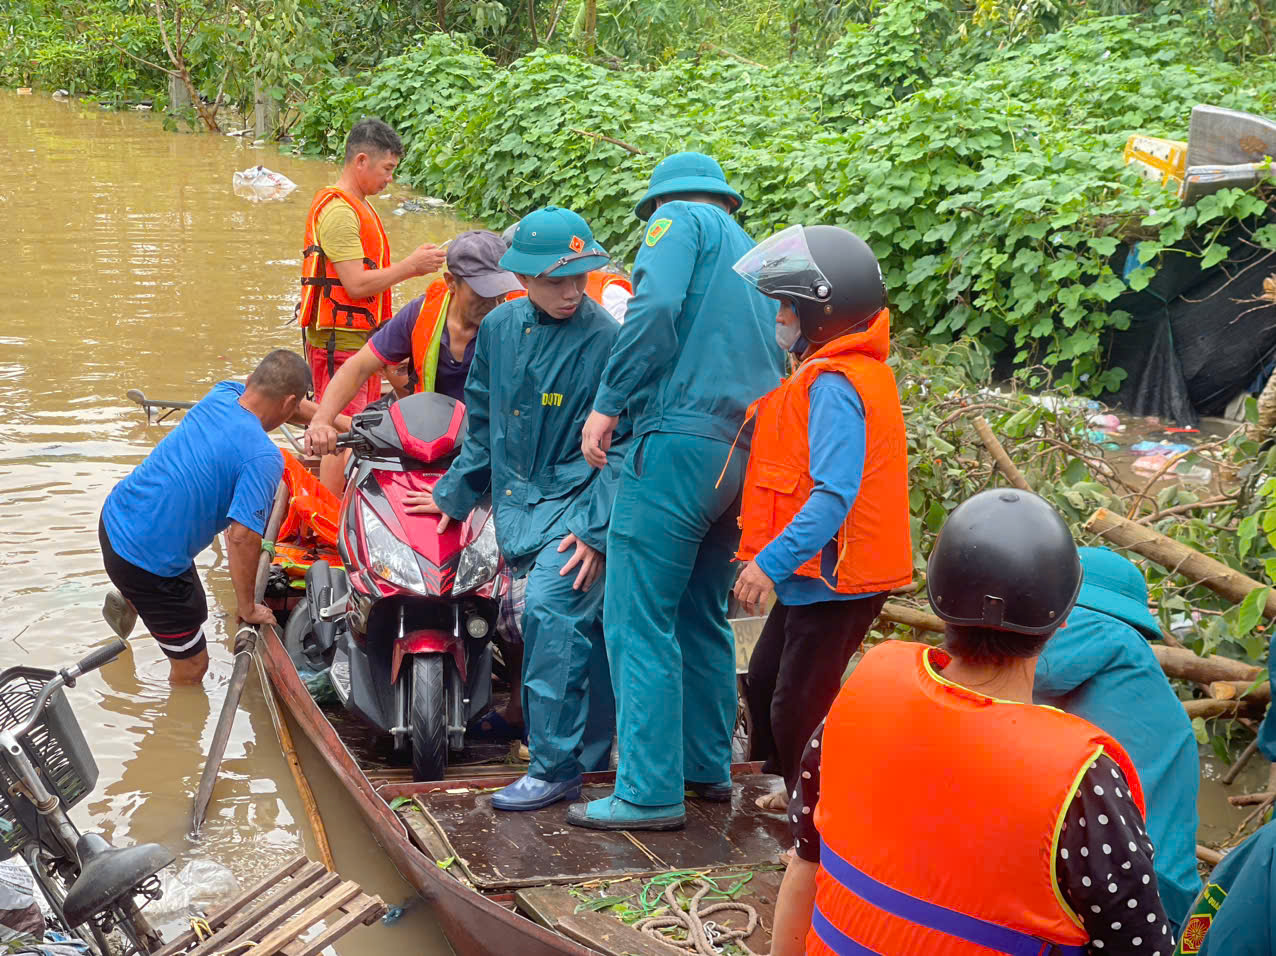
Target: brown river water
[[137, 267]]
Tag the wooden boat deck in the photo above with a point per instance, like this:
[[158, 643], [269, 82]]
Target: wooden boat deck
[[498, 851]]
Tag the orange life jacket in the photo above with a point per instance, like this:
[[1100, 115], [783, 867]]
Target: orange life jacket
[[427, 336], [597, 282], [325, 304], [874, 544], [940, 836], [313, 510]]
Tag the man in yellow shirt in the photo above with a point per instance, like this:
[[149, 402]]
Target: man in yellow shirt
[[346, 273]]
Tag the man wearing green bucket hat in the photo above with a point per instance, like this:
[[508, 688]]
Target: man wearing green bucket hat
[[536, 367], [1100, 667], [696, 349]]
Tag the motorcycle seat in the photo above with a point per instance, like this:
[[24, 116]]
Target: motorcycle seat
[[107, 874]]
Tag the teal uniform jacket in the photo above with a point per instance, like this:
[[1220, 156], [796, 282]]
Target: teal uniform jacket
[[1235, 915], [677, 365], [1100, 668], [529, 391]]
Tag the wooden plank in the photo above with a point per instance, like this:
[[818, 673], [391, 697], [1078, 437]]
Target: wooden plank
[[545, 904], [279, 936], [267, 924], [222, 913], [361, 910], [245, 920], [610, 936]]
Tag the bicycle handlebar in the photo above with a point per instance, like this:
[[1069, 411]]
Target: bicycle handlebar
[[97, 657], [67, 677]]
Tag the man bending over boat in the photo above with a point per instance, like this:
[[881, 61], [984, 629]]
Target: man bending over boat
[[217, 470], [536, 368]]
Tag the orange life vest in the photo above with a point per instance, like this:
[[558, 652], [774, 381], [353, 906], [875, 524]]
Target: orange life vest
[[427, 336], [597, 282], [313, 510], [325, 304], [940, 836], [874, 544]]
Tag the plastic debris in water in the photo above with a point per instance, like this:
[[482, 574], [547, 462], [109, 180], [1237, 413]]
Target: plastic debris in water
[[259, 184], [1165, 449]]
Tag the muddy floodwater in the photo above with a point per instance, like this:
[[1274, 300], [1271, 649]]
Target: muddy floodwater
[[134, 265]]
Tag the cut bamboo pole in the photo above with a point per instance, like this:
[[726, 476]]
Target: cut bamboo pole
[[1181, 662], [1250, 799], [912, 617], [1207, 854], [1234, 689], [1207, 707], [1178, 558], [998, 452], [303, 788]]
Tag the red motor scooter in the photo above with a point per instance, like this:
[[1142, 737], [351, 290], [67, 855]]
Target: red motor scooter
[[406, 626]]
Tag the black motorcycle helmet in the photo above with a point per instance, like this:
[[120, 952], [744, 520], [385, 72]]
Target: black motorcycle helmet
[[1004, 560], [829, 275]]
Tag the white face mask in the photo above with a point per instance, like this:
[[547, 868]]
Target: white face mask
[[786, 335]]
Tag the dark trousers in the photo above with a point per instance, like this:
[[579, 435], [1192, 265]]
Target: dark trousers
[[795, 673]]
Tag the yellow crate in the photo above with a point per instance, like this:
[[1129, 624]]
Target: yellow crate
[[1161, 160]]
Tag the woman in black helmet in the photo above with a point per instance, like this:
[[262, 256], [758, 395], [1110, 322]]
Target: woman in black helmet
[[939, 811], [824, 519]]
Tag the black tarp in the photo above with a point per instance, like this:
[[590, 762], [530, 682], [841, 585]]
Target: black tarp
[[1196, 337]]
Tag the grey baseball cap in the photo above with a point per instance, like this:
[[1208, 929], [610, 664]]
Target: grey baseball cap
[[475, 256]]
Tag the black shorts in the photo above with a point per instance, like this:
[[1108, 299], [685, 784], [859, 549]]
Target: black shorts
[[173, 609]]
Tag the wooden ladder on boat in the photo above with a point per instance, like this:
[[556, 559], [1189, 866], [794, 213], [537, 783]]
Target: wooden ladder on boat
[[281, 914]]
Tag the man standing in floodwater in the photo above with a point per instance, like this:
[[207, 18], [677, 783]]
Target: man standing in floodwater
[[217, 470], [346, 272], [697, 347]]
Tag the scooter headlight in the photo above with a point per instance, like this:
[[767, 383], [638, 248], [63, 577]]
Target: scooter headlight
[[478, 561], [389, 557]]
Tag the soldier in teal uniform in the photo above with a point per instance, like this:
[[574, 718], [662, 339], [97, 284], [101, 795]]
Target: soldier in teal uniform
[[537, 365], [1235, 915], [1099, 666], [696, 349]]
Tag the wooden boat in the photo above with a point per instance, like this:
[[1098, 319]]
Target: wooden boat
[[511, 882]]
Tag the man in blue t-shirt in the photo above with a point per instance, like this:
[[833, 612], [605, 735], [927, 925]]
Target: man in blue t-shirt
[[217, 470]]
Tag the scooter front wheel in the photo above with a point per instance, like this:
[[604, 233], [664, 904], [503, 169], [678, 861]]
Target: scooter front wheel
[[429, 717]]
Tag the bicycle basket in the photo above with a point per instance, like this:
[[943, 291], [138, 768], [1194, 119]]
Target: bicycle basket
[[55, 745]]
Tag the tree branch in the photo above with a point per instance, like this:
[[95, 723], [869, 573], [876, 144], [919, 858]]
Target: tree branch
[[608, 139], [153, 66]]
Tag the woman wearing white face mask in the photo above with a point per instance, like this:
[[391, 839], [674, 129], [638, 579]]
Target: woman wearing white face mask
[[825, 509]]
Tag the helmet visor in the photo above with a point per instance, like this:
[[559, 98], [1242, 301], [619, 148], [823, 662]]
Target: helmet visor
[[783, 267]]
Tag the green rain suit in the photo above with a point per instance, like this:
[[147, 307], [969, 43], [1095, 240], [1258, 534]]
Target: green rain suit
[[529, 390], [697, 347]]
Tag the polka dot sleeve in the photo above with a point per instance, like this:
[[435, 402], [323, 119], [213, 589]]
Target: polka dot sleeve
[[806, 839], [1104, 868]]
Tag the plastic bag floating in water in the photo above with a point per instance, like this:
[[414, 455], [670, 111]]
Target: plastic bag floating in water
[[259, 184]]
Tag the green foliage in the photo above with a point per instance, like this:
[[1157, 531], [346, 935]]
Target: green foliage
[[412, 91], [988, 179]]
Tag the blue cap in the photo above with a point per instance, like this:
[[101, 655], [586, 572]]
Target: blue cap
[[1113, 584], [553, 242], [686, 173]]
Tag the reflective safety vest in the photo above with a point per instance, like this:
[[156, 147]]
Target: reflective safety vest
[[598, 281], [427, 336], [874, 544], [940, 836], [325, 304]]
